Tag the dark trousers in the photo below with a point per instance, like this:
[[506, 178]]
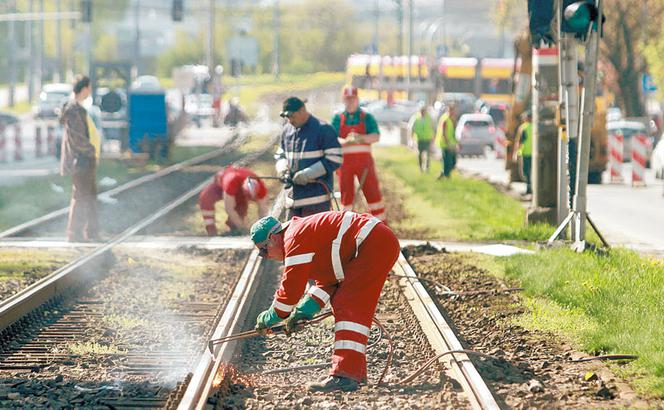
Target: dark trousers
[[83, 223], [527, 172], [307, 210], [449, 161], [423, 155]]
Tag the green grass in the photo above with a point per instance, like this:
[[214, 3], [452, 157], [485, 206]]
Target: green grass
[[458, 208], [19, 108], [36, 196], [16, 263], [610, 303]]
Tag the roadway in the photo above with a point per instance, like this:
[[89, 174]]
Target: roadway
[[627, 216]]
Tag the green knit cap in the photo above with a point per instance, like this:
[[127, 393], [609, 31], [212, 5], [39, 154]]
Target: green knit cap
[[263, 228]]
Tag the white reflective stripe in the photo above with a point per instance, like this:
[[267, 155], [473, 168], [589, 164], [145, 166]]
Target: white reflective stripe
[[364, 232], [350, 345], [376, 205], [282, 306], [207, 213], [336, 246], [355, 149], [334, 158], [299, 259], [319, 293], [312, 200], [336, 151], [305, 154], [208, 222], [352, 326]]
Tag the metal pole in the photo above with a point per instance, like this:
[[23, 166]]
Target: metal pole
[[376, 23], [277, 32], [400, 23], [58, 42], [137, 38], [410, 47], [40, 66], [12, 63], [561, 200], [587, 112], [210, 45], [30, 40]]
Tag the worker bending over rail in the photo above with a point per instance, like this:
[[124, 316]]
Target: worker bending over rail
[[349, 256], [237, 186], [357, 131]]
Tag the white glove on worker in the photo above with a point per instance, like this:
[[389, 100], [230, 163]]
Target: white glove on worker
[[354, 138], [282, 167], [309, 174]]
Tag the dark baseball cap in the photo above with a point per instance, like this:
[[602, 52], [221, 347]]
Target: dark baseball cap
[[291, 104]]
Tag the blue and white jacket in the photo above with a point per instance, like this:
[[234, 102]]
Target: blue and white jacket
[[302, 147]]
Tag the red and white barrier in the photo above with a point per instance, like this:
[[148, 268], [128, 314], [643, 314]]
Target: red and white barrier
[[616, 146], [18, 143], [3, 144], [501, 146], [639, 145]]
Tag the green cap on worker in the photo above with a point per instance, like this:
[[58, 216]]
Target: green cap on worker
[[291, 104], [263, 228]]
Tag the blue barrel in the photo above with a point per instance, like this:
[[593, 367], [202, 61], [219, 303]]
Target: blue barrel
[[148, 123]]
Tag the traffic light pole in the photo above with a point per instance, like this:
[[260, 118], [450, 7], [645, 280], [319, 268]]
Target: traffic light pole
[[579, 213]]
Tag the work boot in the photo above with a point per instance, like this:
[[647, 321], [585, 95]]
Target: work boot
[[334, 383]]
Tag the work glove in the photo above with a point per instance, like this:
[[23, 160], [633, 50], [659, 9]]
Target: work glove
[[305, 310], [309, 174], [354, 137], [265, 320], [282, 167]]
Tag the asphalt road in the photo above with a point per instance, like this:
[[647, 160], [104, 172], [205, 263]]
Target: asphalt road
[[628, 216]]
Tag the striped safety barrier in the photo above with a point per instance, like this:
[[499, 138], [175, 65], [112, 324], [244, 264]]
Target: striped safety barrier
[[3, 144], [639, 145], [616, 142], [501, 146], [39, 152]]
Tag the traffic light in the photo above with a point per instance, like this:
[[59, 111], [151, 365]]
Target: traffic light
[[540, 14], [86, 11], [578, 16], [178, 10]]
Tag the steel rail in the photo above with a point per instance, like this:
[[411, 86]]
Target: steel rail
[[78, 271], [443, 339], [13, 231], [201, 384]]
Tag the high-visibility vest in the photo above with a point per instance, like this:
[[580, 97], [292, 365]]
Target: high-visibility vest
[[525, 144], [445, 132], [95, 138], [423, 129]]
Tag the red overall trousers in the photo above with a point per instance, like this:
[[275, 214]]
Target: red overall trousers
[[358, 162]]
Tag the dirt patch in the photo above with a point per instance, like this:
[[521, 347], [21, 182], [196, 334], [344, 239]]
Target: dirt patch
[[533, 369]]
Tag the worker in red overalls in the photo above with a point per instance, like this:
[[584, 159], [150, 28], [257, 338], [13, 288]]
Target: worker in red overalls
[[237, 186], [357, 130], [349, 256]]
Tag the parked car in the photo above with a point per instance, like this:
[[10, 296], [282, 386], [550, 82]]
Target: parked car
[[400, 111], [657, 159], [7, 119], [628, 129], [476, 133], [51, 99]]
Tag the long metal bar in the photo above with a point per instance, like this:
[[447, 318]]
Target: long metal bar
[[20, 304], [129, 185], [201, 384], [442, 338]]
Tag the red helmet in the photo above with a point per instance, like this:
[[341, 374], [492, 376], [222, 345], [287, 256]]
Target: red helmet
[[250, 188], [349, 91]]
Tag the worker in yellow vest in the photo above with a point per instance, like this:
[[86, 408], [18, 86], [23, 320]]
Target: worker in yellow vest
[[422, 131], [524, 148], [445, 134]]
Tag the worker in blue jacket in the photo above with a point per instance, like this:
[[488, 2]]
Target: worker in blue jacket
[[308, 155]]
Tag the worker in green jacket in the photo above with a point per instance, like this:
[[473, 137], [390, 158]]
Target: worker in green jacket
[[524, 148], [445, 134], [422, 130]]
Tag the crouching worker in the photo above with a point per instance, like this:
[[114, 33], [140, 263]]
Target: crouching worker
[[237, 186], [349, 256]]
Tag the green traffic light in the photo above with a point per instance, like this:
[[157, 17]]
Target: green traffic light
[[580, 14]]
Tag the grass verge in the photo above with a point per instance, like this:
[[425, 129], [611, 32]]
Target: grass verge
[[37, 196], [604, 304], [458, 208]]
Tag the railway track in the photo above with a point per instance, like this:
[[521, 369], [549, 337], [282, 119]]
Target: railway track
[[93, 349]]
